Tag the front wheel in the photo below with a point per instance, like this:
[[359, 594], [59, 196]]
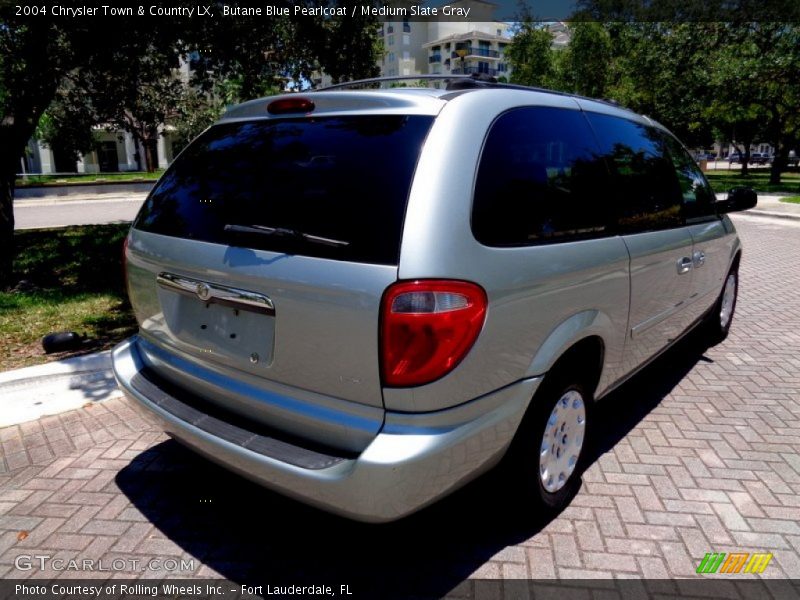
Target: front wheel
[[718, 322]]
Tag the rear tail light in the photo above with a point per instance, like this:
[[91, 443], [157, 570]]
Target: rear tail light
[[125, 265], [427, 327]]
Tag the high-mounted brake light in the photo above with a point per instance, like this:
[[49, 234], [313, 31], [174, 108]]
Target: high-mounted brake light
[[290, 105], [427, 327]]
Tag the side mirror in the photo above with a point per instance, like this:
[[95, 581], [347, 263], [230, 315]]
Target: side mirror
[[739, 198]]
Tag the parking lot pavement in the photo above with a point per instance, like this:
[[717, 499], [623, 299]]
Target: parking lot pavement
[[699, 453]]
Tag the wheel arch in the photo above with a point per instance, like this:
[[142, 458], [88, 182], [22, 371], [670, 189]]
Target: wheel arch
[[580, 339]]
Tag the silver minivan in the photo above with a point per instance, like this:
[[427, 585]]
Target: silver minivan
[[365, 299]]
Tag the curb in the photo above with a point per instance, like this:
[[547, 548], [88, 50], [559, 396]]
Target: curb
[[30, 393], [98, 361], [83, 189], [72, 200], [772, 214]]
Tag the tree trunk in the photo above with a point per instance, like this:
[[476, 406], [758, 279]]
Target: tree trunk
[[6, 225], [151, 154], [778, 163], [744, 156]]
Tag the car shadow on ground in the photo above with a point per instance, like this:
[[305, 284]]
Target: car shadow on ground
[[251, 535]]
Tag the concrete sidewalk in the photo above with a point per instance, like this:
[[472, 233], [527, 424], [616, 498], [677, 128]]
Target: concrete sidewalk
[[52, 388], [771, 206], [81, 199]]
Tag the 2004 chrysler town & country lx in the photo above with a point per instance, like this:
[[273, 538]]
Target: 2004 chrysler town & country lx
[[364, 299]]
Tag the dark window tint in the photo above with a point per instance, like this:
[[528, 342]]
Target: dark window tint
[[540, 180], [343, 179], [644, 186], [696, 194]]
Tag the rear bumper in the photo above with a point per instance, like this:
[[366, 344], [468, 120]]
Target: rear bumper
[[412, 461]]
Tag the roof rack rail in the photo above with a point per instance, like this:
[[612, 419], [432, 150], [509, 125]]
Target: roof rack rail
[[463, 82], [379, 80]]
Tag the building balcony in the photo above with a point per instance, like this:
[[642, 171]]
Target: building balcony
[[482, 52]]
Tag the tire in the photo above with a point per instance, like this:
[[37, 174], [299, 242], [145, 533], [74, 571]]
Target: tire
[[549, 451], [718, 322]]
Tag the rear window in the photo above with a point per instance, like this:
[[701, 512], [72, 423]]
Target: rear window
[[329, 187]]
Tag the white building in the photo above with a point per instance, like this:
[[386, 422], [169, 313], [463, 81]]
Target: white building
[[116, 151], [446, 47]]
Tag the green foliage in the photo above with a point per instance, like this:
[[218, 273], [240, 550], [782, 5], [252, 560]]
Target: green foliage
[[350, 46], [73, 282], [123, 74], [530, 55], [196, 111], [585, 64], [759, 179], [66, 125]]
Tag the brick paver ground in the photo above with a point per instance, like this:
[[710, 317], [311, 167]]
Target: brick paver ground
[[699, 453]]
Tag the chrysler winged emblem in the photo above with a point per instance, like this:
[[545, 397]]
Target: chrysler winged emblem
[[203, 291]]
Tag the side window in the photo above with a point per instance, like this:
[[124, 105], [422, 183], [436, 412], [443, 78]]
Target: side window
[[644, 186], [540, 180], [696, 194]]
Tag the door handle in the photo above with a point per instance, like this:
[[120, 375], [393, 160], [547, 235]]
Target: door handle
[[699, 258], [684, 265]]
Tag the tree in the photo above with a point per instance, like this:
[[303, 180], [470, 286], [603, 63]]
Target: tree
[[350, 47], [39, 55], [197, 110], [33, 58], [660, 69], [261, 57], [128, 80], [66, 125], [733, 66], [584, 68], [530, 55], [142, 96]]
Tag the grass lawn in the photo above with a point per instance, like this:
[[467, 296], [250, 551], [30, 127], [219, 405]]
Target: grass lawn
[[792, 199], [722, 181], [87, 178], [72, 282]]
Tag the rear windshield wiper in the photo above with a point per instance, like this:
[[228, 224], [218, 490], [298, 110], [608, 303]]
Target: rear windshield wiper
[[286, 232]]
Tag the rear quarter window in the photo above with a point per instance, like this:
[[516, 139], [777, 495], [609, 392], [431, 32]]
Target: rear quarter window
[[540, 180], [344, 179]]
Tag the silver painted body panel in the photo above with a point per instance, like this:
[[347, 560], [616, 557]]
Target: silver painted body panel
[[322, 338], [410, 464], [659, 292]]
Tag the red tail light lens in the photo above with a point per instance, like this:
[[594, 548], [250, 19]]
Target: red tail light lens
[[427, 327], [125, 265]]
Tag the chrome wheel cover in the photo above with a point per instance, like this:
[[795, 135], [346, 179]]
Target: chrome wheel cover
[[562, 441], [728, 299]]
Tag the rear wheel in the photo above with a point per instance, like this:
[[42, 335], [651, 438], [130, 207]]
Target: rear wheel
[[547, 457]]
